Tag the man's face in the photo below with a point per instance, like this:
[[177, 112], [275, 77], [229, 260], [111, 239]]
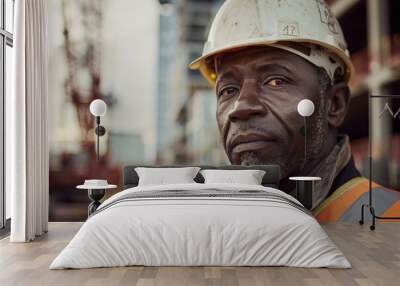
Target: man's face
[[258, 90]]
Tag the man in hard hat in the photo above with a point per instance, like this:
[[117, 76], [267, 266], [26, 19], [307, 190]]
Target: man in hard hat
[[263, 58]]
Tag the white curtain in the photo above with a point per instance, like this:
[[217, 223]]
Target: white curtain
[[26, 121]]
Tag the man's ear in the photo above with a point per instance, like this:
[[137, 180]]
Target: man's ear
[[338, 103]]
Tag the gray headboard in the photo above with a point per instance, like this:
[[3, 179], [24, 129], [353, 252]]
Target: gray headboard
[[270, 179]]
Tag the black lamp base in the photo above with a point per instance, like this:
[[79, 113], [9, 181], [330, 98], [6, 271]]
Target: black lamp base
[[304, 192], [95, 196]]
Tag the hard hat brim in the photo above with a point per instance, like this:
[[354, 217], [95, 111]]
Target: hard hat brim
[[199, 63]]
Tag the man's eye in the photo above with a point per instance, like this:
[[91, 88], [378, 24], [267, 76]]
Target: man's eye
[[275, 82], [228, 91]]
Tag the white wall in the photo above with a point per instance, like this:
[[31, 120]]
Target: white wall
[[129, 40], [129, 66]]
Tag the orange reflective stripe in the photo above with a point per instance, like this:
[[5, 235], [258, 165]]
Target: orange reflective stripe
[[337, 207], [394, 210], [337, 193]]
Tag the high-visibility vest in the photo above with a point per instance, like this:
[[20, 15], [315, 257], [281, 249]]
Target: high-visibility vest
[[345, 202]]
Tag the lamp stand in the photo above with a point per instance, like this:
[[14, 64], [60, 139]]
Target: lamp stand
[[98, 137], [100, 131], [305, 140]]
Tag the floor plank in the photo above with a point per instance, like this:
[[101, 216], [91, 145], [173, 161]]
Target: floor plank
[[375, 257]]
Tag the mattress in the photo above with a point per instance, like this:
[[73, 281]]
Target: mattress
[[201, 225]]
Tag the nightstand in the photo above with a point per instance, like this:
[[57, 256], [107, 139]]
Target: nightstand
[[96, 190], [304, 189]]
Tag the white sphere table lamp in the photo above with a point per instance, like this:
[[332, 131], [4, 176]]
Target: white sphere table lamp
[[305, 185], [98, 108], [305, 108]]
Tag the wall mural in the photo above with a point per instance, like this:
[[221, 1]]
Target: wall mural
[[123, 52], [134, 55]]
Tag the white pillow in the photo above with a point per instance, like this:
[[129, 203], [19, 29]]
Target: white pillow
[[248, 177], [162, 176]]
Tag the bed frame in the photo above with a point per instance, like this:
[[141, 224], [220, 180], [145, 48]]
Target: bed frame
[[271, 178]]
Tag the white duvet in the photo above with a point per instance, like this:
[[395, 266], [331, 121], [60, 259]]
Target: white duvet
[[204, 231]]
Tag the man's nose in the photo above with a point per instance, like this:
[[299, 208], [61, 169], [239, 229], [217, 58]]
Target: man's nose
[[248, 103]]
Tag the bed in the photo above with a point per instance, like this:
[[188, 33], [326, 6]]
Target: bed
[[199, 224]]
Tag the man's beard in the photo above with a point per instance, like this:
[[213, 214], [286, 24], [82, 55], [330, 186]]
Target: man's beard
[[250, 158], [294, 165]]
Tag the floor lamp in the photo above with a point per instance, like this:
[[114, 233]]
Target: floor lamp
[[369, 205]]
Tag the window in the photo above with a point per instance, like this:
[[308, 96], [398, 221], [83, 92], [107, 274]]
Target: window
[[6, 44]]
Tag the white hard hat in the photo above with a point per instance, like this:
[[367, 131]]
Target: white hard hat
[[279, 23]]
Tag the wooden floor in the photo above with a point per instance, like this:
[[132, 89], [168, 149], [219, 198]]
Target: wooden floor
[[375, 257]]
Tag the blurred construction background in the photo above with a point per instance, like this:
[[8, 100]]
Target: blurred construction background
[[134, 54]]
